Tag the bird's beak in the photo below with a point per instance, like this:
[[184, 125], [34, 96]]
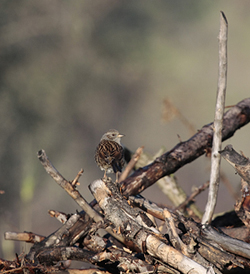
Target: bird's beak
[[121, 135]]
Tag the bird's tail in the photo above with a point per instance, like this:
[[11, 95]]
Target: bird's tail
[[116, 167]]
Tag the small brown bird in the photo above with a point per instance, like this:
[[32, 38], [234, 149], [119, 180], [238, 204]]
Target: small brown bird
[[109, 154]]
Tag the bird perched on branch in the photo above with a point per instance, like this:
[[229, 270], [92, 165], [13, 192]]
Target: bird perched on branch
[[109, 154]]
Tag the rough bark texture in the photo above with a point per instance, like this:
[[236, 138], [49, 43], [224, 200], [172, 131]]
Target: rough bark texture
[[238, 161]]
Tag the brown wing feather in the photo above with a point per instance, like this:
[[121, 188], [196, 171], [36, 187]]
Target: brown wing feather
[[109, 154]]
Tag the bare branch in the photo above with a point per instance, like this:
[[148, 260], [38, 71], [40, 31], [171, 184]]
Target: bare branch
[[75, 181], [218, 123], [227, 243], [169, 255], [67, 186], [28, 237], [240, 163]]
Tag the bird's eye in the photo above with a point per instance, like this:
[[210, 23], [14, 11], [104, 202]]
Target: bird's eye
[[113, 134]]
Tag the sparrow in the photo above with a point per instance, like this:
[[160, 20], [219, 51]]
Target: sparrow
[[109, 154]]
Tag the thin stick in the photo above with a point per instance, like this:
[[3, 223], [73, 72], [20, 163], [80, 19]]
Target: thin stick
[[218, 122], [75, 181], [66, 185]]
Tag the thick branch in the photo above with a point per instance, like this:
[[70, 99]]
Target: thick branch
[[238, 161], [60, 253], [227, 243], [186, 152]]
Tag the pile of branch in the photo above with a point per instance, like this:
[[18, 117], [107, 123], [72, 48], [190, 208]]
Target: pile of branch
[[133, 242]]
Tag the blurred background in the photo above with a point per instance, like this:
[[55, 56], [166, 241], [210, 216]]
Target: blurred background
[[71, 70]]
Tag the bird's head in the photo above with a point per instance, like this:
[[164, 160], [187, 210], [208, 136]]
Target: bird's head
[[112, 135]]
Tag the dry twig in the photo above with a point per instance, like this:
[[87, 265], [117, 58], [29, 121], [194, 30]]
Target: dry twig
[[67, 186], [75, 181], [218, 123]]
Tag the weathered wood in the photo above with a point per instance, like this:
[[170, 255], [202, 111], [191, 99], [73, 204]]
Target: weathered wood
[[210, 243], [28, 237], [240, 163], [135, 226], [49, 255], [227, 243]]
